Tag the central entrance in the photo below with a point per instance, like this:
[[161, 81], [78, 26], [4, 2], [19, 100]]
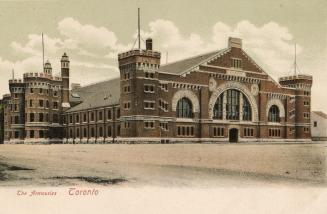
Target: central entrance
[[233, 135]]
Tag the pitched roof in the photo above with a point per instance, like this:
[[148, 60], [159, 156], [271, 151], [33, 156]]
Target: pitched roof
[[182, 66], [96, 95], [321, 114]]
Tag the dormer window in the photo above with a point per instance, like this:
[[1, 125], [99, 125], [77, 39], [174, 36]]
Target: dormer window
[[236, 63]]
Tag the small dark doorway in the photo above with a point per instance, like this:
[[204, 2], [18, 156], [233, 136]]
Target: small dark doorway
[[233, 135]]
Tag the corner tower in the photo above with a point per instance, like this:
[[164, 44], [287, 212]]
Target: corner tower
[[138, 83], [302, 105], [65, 81]]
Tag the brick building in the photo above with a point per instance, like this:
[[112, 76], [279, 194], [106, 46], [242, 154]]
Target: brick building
[[221, 96]]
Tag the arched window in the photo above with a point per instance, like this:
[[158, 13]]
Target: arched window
[[100, 132], [184, 108], [247, 115], [70, 133], [233, 105], [218, 108], [92, 132], [273, 115], [77, 132]]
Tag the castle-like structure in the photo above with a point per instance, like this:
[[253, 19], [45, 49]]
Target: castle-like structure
[[221, 96]]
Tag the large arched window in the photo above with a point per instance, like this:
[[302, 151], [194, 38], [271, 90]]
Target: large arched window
[[184, 108], [273, 115], [218, 108], [246, 109], [233, 105]]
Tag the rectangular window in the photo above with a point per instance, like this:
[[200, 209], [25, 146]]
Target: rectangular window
[[55, 105], [149, 124], [306, 103], [185, 131], [41, 104], [31, 90], [306, 129], [100, 115], [127, 89], [274, 132], [41, 91], [248, 132], [77, 118], [315, 124], [32, 134], [109, 114], [306, 115], [148, 88], [127, 105], [126, 125], [31, 103], [163, 86], [92, 116], [84, 117], [109, 131], [163, 105], [236, 63], [164, 126], [31, 117], [70, 118], [149, 75], [41, 119], [149, 105], [218, 131], [55, 118]]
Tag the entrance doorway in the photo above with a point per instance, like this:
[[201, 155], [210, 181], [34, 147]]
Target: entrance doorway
[[233, 135]]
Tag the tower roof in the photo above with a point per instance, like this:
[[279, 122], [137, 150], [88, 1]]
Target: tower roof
[[47, 64]]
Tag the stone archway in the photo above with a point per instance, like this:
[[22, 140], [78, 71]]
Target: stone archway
[[238, 86], [188, 94]]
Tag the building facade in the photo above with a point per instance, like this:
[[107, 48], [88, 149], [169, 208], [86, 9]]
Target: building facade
[[319, 125], [221, 96]]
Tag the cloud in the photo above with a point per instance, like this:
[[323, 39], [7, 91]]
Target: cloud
[[87, 36], [167, 37], [34, 45], [271, 45]]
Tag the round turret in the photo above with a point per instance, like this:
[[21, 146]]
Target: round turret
[[47, 68]]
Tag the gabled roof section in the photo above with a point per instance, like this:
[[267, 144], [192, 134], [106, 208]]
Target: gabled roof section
[[96, 95], [186, 65], [321, 114]]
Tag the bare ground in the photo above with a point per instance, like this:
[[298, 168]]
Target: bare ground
[[182, 165]]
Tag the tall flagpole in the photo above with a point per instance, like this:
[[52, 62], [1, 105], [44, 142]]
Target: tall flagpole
[[139, 28], [42, 52], [295, 72]]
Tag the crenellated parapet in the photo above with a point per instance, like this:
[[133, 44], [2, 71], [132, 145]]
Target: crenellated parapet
[[300, 82], [137, 52], [42, 75]]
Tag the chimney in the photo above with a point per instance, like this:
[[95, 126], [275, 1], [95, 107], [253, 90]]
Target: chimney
[[148, 44], [234, 42]]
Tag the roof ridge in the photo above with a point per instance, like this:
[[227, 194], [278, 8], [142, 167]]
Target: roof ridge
[[94, 83], [207, 53]]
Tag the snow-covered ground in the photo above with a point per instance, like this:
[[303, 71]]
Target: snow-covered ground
[[164, 165]]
